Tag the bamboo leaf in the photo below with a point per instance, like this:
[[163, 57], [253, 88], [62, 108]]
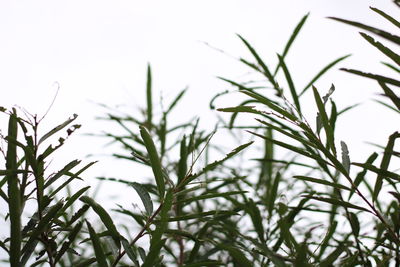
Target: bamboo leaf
[[215, 164], [361, 175], [290, 83], [338, 202], [204, 263], [391, 95], [256, 219], [98, 249], [390, 66], [283, 112], [384, 164], [72, 199], [62, 172], [203, 215], [176, 100], [355, 224], [246, 109], [325, 121], [104, 217], [68, 244], [271, 198], [385, 50], [386, 16], [322, 72], [376, 77], [129, 251], [44, 223], [149, 100], [237, 255], [381, 33], [260, 62], [144, 196], [154, 160], [323, 182], [57, 128], [211, 195], [162, 225], [293, 36]]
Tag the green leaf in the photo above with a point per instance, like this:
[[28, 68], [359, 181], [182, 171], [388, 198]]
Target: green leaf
[[203, 215], [237, 255], [98, 249], [272, 194], [176, 100], [68, 244], [205, 263], [214, 164], [321, 181], [72, 199], [290, 83], [338, 202], [390, 66], [14, 200], [391, 95], [154, 160], [246, 109], [57, 128], [256, 219], [291, 40], [322, 72], [385, 50], [281, 111], [384, 164], [43, 224], [361, 175], [325, 121], [355, 224], [381, 33], [157, 242], [149, 122], [129, 251], [376, 77], [345, 156], [211, 195], [62, 172], [72, 176], [386, 16], [260, 62], [144, 196], [105, 218]]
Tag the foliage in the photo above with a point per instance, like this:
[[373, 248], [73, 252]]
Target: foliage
[[296, 200]]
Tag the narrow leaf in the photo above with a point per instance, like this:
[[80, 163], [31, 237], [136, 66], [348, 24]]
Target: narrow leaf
[[98, 249], [144, 196], [381, 33], [345, 156], [154, 160], [105, 218], [57, 128]]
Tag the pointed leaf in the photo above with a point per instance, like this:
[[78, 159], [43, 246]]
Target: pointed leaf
[[104, 217], [98, 249], [144, 196], [154, 160]]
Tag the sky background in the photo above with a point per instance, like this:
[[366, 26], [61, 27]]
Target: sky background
[[97, 52]]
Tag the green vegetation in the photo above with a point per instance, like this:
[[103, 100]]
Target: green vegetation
[[286, 195]]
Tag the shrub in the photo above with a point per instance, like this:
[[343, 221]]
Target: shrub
[[255, 206]]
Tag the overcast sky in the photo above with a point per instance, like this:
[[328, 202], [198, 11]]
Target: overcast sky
[[97, 51]]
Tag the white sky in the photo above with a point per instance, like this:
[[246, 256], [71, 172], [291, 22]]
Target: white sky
[[97, 51]]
